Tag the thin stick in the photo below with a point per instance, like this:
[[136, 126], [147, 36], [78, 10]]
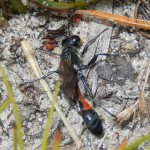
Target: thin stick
[[143, 107], [104, 137], [115, 18], [146, 34], [146, 76], [31, 59]]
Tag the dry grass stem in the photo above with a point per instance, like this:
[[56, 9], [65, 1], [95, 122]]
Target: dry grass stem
[[125, 141], [140, 105], [101, 144], [143, 109], [32, 60], [116, 18], [127, 114]]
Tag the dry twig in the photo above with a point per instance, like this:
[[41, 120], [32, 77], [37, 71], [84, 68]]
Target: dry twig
[[115, 18]]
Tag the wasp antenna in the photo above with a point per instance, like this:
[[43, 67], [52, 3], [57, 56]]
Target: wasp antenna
[[72, 11]]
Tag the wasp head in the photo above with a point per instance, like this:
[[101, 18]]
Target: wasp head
[[72, 41]]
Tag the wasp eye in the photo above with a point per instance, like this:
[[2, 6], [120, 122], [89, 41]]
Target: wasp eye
[[76, 41]]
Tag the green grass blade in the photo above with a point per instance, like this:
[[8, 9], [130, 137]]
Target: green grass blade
[[18, 124], [15, 108], [18, 6], [60, 5], [15, 137], [49, 119], [138, 142], [148, 148], [64, 5], [3, 21], [5, 104]]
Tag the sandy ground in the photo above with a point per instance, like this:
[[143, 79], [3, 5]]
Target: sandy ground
[[114, 80]]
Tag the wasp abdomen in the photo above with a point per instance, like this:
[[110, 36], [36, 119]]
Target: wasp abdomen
[[92, 121]]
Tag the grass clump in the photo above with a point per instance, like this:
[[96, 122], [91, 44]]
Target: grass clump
[[18, 134]]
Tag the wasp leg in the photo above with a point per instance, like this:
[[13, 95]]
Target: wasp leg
[[94, 58], [91, 42], [43, 77], [84, 128], [81, 77]]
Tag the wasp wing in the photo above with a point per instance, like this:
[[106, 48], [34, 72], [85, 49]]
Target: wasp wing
[[68, 80]]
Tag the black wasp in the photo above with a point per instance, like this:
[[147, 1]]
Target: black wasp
[[70, 71], [69, 75]]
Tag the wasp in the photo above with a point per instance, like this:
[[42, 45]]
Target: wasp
[[70, 89], [70, 71]]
